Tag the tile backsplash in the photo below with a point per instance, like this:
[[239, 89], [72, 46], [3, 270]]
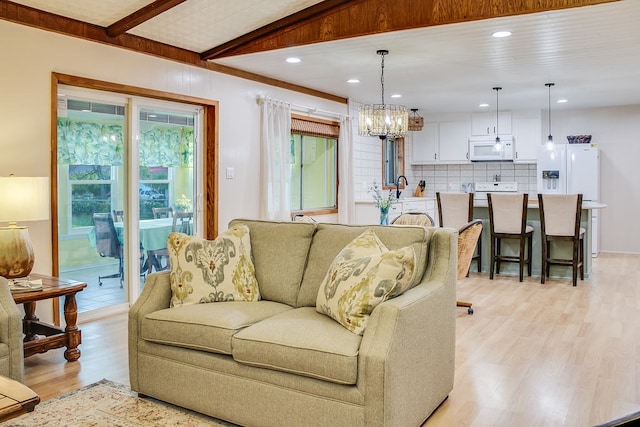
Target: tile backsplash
[[451, 177], [367, 169]]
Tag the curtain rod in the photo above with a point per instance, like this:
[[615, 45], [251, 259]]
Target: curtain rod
[[303, 108]]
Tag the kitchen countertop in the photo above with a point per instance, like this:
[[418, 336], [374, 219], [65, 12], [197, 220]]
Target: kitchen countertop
[[533, 204]]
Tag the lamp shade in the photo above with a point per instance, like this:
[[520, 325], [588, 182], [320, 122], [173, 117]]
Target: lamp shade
[[24, 198]]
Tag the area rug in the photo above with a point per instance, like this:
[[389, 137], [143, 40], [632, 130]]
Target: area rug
[[109, 404]]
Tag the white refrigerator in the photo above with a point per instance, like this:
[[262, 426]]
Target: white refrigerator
[[572, 169]]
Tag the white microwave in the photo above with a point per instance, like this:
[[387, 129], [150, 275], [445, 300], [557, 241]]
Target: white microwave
[[484, 149]]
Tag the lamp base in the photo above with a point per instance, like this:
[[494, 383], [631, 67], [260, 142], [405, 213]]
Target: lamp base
[[16, 252]]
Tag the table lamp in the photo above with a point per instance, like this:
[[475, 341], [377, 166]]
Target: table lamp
[[23, 199]]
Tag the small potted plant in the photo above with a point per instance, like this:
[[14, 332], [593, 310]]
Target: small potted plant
[[382, 202]]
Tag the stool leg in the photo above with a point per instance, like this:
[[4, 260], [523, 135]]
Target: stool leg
[[493, 257], [582, 260], [543, 266], [480, 253], [529, 258], [548, 269], [521, 259], [574, 262], [498, 252]]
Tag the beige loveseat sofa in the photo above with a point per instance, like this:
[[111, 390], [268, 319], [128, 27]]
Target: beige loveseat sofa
[[278, 362]]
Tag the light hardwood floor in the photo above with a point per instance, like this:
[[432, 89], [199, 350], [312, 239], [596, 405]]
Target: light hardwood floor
[[531, 355]]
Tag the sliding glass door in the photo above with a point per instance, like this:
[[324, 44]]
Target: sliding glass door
[[127, 177]]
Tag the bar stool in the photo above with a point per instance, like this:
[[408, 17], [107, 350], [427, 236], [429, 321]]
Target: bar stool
[[560, 220], [508, 220], [456, 210]]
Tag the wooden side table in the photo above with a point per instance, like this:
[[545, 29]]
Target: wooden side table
[[41, 337], [15, 399]]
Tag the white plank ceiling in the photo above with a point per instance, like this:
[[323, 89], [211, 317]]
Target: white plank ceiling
[[591, 53]]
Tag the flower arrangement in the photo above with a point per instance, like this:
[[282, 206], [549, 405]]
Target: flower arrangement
[[382, 201], [183, 204]]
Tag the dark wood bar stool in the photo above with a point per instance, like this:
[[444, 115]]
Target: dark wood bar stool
[[560, 216], [456, 210], [508, 220]]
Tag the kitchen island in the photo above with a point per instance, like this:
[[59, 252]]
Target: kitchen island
[[510, 246]]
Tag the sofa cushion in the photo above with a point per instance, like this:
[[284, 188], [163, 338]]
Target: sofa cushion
[[207, 327], [330, 239], [301, 341], [209, 271], [363, 275], [280, 251]]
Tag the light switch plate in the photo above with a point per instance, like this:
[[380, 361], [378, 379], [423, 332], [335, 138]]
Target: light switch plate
[[230, 173]]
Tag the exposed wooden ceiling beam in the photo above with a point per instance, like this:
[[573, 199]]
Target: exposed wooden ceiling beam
[[324, 8], [24, 15], [368, 17], [139, 16]]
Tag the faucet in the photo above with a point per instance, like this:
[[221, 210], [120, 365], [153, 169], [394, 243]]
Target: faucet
[[406, 183]]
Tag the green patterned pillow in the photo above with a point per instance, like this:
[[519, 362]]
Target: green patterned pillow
[[363, 275], [212, 270]]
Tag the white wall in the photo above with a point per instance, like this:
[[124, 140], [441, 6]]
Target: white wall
[[617, 133], [29, 56]]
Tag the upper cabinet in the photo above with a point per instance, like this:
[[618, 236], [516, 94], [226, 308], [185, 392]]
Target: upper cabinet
[[454, 142], [443, 142], [487, 123], [424, 144], [527, 131]]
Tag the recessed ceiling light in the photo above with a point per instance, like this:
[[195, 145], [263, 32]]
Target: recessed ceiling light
[[562, 101], [484, 105], [499, 34], [396, 95], [293, 60], [353, 81]]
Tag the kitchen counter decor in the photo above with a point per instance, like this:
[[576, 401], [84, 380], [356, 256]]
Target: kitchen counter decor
[[382, 202]]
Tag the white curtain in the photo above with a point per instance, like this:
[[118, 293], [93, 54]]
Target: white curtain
[[275, 170], [346, 202]]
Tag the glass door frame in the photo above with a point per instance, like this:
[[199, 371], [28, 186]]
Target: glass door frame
[[207, 175]]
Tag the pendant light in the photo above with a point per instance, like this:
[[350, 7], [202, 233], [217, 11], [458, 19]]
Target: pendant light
[[550, 137], [383, 120], [416, 122], [498, 145]]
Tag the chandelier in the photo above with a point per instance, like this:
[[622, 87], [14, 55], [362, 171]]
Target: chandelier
[[383, 120]]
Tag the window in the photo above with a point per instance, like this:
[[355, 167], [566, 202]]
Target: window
[[90, 187], [153, 189], [314, 164], [392, 162]]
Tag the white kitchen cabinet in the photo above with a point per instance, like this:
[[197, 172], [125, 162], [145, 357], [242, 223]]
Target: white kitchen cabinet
[[424, 144], [526, 134], [485, 123], [412, 205], [395, 210], [454, 141], [415, 205]]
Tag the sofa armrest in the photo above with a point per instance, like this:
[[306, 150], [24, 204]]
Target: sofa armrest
[[11, 333], [156, 295], [407, 355]]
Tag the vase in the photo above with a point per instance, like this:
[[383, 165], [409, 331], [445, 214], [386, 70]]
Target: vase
[[384, 216]]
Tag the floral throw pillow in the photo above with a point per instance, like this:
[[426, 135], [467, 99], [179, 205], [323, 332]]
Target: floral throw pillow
[[205, 271], [363, 275]]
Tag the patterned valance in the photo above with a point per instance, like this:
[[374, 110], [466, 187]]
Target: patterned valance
[[102, 143], [90, 143]]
